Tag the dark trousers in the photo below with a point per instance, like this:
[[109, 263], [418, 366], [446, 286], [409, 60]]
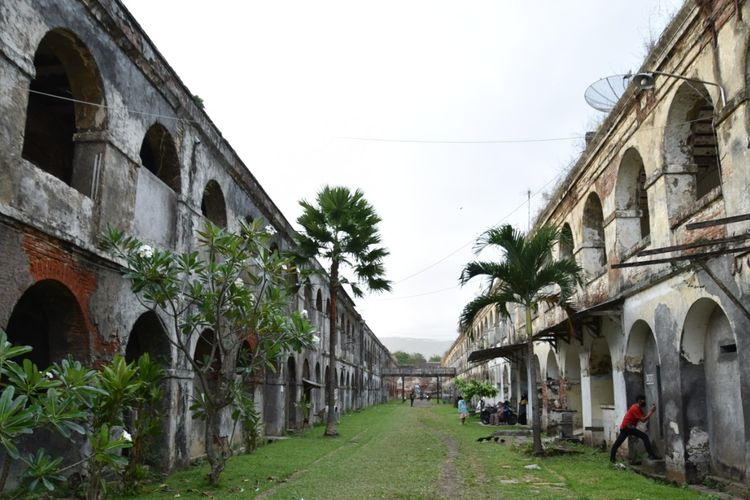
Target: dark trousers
[[631, 431]]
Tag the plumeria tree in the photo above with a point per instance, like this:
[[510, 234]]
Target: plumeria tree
[[228, 300], [341, 229], [526, 276]]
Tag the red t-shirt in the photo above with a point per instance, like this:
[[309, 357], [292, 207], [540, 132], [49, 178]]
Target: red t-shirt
[[632, 417]]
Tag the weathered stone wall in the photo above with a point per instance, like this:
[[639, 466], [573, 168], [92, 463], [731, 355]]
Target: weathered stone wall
[[52, 216]]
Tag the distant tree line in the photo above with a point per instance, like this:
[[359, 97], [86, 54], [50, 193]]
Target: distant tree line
[[414, 358]]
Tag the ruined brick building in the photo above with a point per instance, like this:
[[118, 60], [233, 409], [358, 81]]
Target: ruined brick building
[[127, 146], [658, 210]]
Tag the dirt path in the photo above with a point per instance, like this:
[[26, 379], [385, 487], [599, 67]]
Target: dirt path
[[449, 483]]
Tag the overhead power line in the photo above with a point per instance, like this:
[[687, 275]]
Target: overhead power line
[[490, 141]]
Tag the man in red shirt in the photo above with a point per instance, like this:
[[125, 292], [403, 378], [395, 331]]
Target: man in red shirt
[[628, 427]]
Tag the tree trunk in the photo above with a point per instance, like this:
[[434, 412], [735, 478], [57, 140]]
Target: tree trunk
[[536, 423], [214, 446], [331, 382]]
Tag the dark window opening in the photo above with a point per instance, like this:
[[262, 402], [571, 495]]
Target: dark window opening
[[159, 156], [704, 150], [642, 203], [213, 207], [50, 121], [64, 70], [728, 348]]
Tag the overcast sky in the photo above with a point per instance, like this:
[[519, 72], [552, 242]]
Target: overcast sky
[[295, 87]]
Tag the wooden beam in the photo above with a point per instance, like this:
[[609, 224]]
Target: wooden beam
[[695, 256], [718, 222], [695, 244]]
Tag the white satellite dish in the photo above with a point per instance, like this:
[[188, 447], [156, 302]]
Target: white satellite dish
[[603, 94]]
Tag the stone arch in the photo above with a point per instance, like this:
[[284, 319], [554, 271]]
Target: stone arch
[[213, 206], [710, 378], [159, 155], [319, 301], [691, 145], [291, 393], [64, 67], [643, 375], [49, 318], [631, 201], [593, 251], [317, 372]]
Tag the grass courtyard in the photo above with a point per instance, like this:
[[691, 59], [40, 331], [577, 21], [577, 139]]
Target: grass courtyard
[[395, 451]]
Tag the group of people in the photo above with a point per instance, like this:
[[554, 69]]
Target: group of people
[[629, 427]]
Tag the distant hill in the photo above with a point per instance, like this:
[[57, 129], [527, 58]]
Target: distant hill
[[426, 347]]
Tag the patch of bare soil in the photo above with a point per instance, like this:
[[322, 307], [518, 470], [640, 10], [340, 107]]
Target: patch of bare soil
[[449, 484]]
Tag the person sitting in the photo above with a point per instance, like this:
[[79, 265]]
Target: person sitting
[[628, 427]]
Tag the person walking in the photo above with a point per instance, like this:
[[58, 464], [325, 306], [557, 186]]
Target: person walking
[[463, 412], [628, 427], [411, 397]]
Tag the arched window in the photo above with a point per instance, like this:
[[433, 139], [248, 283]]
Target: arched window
[[159, 156], [566, 242], [213, 207], [594, 251], [64, 70], [308, 296], [690, 145], [631, 201], [319, 301]]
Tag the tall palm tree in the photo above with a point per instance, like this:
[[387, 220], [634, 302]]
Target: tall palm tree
[[342, 230], [526, 276]]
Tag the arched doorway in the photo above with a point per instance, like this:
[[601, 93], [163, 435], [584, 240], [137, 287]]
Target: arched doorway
[[643, 376], [148, 336], [49, 318], [710, 377]]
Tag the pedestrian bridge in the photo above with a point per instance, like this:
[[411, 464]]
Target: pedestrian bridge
[[425, 370]]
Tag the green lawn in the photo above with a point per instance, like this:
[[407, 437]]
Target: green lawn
[[394, 451]]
